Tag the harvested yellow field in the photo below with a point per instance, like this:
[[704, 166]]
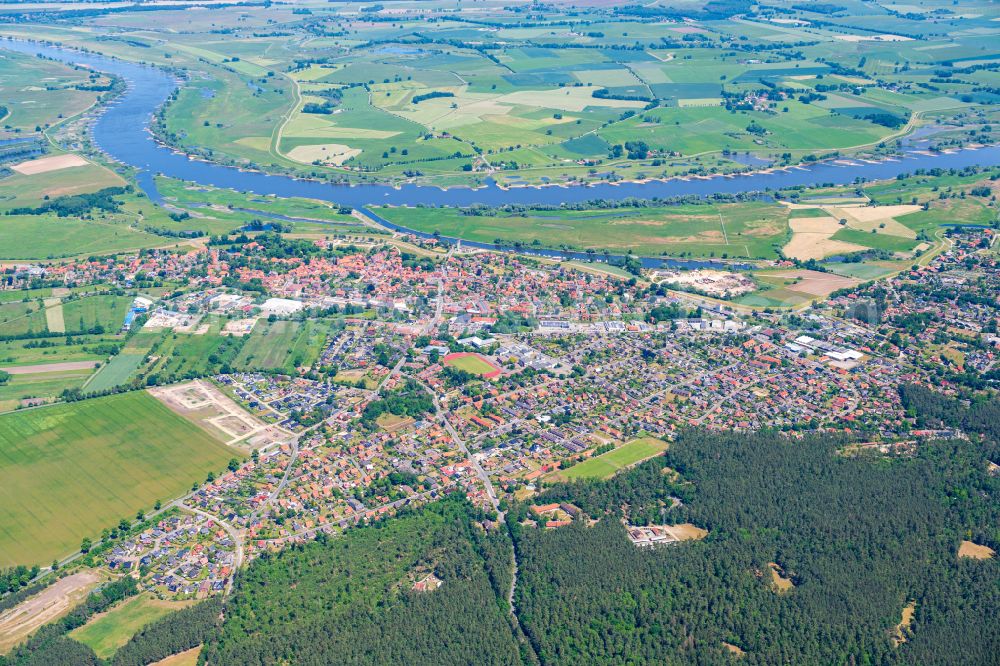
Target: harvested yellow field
[[867, 218], [327, 153], [812, 237], [814, 225], [47, 164], [805, 246], [975, 551]]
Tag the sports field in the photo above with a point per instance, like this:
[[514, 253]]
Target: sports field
[[606, 465], [473, 363], [71, 470]]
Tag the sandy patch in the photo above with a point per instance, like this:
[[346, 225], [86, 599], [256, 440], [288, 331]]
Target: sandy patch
[[975, 551], [909, 612], [46, 164], [186, 658], [715, 283], [734, 649], [686, 531], [327, 153], [781, 582], [54, 601]]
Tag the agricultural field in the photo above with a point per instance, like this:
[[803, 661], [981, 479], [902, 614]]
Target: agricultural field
[[608, 464], [114, 373], [71, 470], [745, 230], [44, 385]]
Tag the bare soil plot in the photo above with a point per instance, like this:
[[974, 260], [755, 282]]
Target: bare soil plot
[[734, 649], [206, 406], [392, 422], [686, 531], [975, 551], [47, 164], [51, 603], [50, 367]]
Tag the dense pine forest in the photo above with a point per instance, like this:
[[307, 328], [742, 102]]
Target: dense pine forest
[[861, 536], [351, 600]]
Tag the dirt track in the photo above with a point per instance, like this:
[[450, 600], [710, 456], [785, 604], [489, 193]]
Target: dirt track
[[19, 622]]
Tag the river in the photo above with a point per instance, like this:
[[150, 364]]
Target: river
[[122, 132]]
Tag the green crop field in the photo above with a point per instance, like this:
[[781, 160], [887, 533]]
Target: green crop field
[[71, 470], [607, 464], [115, 372], [109, 631]]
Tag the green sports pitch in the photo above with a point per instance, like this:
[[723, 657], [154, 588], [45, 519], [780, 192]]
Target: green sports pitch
[[606, 465], [73, 469]]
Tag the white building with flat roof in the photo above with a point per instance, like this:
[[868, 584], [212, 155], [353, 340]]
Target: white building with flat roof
[[281, 306]]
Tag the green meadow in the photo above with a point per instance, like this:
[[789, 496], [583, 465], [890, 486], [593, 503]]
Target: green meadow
[[749, 230]]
